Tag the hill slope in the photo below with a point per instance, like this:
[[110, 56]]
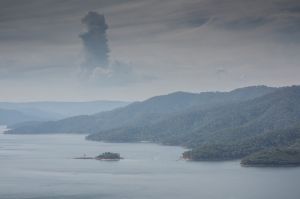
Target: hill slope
[[9, 117], [248, 123], [146, 113], [58, 110], [229, 131], [226, 123]]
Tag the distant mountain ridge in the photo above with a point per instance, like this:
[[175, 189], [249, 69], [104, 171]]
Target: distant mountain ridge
[[45, 111], [145, 113], [8, 117], [233, 121], [259, 124]]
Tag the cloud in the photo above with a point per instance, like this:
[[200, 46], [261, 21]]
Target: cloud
[[180, 43], [95, 43], [96, 68], [117, 74], [221, 71], [246, 23]]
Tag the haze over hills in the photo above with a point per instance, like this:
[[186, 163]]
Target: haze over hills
[[147, 112], [215, 125], [225, 123], [9, 117], [14, 112]]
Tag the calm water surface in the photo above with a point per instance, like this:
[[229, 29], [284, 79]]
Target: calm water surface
[[41, 166]]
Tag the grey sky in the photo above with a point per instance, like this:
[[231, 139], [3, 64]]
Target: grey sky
[[155, 47]]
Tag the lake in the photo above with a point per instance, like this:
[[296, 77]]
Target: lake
[[41, 167]]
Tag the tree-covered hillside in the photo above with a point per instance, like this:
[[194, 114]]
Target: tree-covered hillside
[[221, 124], [215, 125], [282, 156], [145, 113], [230, 131], [246, 146]]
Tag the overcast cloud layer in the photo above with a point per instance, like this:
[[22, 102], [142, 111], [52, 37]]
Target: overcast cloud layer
[[153, 47]]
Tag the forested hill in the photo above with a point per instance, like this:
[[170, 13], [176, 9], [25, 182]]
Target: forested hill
[[247, 123], [226, 123], [229, 131], [145, 113]]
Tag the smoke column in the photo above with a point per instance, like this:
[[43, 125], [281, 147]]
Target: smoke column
[[95, 43]]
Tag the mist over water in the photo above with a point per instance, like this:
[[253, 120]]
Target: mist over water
[[217, 76], [41, 167]]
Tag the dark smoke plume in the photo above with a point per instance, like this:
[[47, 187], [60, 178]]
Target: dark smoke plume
[[95, 43]]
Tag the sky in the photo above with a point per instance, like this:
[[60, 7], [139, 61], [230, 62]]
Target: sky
[[75, 50]]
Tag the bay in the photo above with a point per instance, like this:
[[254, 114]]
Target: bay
[[42, 167]]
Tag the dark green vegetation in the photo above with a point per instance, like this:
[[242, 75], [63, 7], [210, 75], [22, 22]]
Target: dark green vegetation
[[215, 125], [287, 156], [103, 156], [109, 156], [244, 147]]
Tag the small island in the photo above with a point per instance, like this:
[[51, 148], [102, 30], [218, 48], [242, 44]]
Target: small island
[[109, 156], [104, 156]]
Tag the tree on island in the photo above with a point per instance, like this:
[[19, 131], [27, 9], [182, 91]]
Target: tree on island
[[109, 156]]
